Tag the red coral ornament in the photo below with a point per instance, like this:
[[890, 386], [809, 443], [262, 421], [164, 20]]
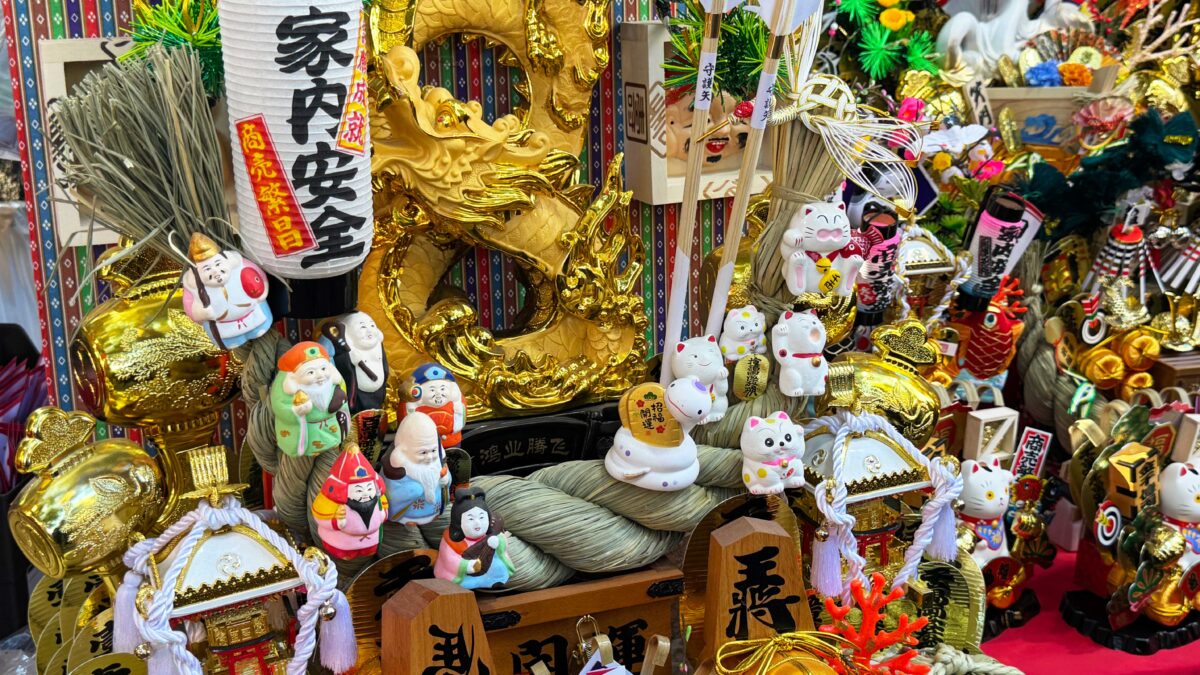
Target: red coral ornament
[[868, 639]]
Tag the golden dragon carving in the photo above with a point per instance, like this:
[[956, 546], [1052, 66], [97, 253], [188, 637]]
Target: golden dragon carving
[[447, 181]]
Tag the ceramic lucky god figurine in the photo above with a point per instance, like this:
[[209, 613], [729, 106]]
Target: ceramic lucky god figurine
[[819, 253], [701, 358], [357, 346], [798, 340], [652, 449], [225, 293], [415, 472], [433, 390], [771, 451], [474, 549], [744, 333], [309, 401], [351, 507]]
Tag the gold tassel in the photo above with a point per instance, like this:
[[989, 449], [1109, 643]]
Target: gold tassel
[[759, 657]]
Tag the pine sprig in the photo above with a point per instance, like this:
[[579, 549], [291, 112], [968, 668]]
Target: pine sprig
[[880, 51], [181, 23], [743, 45], [859, 11], [921, 52]]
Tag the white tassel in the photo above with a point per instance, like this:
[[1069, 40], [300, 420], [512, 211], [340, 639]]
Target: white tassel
[[161, 661], [125, 633], [339, 650], [827, 565], [944, 545]]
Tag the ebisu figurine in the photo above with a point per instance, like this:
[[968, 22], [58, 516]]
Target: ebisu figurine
[[744, 333], [700, 357], [225, 293], [652, 449], [433, 390], [357, 346], [351, 506], [415, 472], [798, 341], [474, 549], [771, 450], [308, 400], [819, 252]]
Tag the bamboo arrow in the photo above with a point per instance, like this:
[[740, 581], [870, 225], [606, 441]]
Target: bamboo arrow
[[714, 12], [784, 18]]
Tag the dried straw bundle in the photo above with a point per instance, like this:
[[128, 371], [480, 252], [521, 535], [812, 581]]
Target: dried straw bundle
[[140, 146]]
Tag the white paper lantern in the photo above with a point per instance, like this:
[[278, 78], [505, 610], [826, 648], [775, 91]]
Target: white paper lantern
[[295, 79]]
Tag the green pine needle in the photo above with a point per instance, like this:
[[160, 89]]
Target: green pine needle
[[859, 11], [880, 52], [739, 60], [181, 23], [921, 52]]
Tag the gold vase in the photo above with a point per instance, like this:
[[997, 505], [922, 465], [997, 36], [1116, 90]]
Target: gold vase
[[139, 361]]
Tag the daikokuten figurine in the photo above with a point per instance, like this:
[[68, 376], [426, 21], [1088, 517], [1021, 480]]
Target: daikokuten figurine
[[819, 253], [652, 449], [351, 507], [415, 472], [771, 452], [357, 345], [700, 357], [744, 333], [225, 293], [474, 549], [434, 391], [798, 340], [308, 399]]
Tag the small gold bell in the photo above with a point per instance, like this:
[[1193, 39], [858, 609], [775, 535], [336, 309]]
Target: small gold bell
[[822, 534], [142, 651], [958, 504], [328, 611]]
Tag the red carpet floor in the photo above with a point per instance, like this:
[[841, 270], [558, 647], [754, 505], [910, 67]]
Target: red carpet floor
[[1048, 646]]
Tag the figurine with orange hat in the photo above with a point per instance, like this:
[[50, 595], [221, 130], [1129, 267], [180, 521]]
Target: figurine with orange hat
[[351, 506], [225, 293], [308, 398]]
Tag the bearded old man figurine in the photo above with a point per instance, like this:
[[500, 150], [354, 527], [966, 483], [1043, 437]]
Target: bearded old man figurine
[[225, 293], [433, 390], [309, 401], [351, 506], [474, 549], [357, 346], [415, 472]]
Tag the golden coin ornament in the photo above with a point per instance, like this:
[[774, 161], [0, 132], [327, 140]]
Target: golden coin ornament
[[94, 639], [750, 376], [643, 411], [44, 604]]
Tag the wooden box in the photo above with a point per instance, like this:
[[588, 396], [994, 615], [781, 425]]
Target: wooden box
[[524, 628], [652, 170], [1180, 370], [991, 432]]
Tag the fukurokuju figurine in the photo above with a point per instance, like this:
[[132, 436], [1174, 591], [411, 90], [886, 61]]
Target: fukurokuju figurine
[[415, 472], [351, 507], [359, 356], [474, 549]]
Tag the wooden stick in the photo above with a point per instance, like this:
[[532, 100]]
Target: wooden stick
[[782, 10], [677, 300]]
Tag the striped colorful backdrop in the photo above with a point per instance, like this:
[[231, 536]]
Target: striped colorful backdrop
[[467, 68]]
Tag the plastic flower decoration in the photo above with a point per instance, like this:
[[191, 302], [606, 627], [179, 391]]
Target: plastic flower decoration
[[887, 3], [1075, 74], [1044, 74], [911, 109], [953, 139], [941, 161], [894, 19], [989, 169]]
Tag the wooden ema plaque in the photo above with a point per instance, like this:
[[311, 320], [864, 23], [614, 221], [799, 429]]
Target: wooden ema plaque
[[540, 626], [755, 584], [432, 626]]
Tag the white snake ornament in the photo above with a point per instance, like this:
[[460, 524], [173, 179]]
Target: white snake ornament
[[979, 43]]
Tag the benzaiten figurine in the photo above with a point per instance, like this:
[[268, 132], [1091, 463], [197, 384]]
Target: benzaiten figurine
[[415, 473], [701, 357], [474, 549], [744, 333], [798, 340], [357, 346], [433, 390], [771, 452], [309, 401], [819, 252], [351, 506], [225, 293], [652, 449]]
